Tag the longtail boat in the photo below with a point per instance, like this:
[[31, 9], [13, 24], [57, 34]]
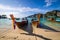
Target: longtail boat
[[18, 24]]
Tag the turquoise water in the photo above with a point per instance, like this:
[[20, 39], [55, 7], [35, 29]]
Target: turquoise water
[[6, 23], [58, 19]]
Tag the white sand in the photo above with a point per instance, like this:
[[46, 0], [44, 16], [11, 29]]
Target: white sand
[[38, 34]]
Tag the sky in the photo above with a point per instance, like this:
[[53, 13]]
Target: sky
[[24, 8]]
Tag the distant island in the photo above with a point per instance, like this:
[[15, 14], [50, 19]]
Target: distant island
[[51, 15], [55, 13], [3, 17]]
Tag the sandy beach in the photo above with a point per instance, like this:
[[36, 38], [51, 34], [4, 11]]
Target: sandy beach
[[38, 34], [29, 19]]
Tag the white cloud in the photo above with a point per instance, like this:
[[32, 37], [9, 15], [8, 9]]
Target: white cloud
[[18, 10], [49, 2]]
